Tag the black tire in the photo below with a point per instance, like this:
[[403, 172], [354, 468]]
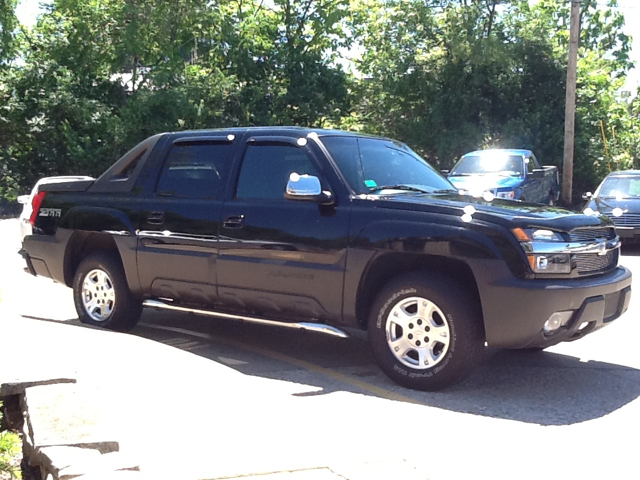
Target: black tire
[[457, 323], [102, 296]]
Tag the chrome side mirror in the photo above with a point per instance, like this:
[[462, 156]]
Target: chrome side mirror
[[307, 188], [587, 196]]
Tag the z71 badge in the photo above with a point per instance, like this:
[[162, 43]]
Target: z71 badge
[[50, 212]]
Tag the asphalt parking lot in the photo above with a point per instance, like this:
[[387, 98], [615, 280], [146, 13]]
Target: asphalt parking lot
[[311, 401]]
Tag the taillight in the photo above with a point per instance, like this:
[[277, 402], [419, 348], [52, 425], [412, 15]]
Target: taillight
[[35, 207]]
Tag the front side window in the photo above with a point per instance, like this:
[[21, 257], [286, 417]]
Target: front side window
[[371, 164], [194, 170], [266, 170]]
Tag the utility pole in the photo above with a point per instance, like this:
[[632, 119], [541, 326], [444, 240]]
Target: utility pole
[[570, 106]]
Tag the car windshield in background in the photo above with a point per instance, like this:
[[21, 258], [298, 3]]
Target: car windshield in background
[[619, 186], [373, 164], [496, 163]]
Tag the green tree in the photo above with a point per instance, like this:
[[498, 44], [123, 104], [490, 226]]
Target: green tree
[[8, 26], [452, 76]]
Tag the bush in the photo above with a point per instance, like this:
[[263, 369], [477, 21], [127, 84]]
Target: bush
[[9, 454]]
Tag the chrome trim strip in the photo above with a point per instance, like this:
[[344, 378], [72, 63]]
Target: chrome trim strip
[[167, 234], [601, 247], [316, 327]]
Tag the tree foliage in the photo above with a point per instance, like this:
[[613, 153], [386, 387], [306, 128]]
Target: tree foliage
[[94, 77]]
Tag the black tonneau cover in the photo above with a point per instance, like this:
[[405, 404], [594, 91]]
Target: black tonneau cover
[[68, 186]]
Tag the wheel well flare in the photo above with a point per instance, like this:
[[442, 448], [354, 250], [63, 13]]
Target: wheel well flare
[[388, 266]]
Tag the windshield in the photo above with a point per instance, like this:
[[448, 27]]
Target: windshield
[[619, 186], [489, 163], [370, 164]]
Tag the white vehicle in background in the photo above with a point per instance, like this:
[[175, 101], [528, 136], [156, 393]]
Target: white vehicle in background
[[26, 200]]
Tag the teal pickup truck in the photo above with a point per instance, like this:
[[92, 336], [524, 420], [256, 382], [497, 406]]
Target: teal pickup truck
[[513, 174]]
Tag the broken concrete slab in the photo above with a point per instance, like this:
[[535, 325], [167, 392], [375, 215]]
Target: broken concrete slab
[[66, 415], [18, 386], [70, 462], [58, 458]]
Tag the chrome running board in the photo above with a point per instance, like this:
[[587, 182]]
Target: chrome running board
[[316, 327]]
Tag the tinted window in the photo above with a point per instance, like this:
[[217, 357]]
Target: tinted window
[[346, 154], [377, 163], [194, 170], [127, 170], [266, 169]]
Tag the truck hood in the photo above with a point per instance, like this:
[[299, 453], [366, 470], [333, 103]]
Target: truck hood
[[508, 213], [482, 182]]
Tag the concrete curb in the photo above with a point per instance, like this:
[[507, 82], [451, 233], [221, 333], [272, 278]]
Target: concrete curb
[[65, 434]]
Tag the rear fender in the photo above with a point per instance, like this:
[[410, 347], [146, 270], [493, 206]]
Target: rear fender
[[97, 219], [100, 228]]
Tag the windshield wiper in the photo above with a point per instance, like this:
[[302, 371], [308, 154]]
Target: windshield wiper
[[398, 187], [447, 190]]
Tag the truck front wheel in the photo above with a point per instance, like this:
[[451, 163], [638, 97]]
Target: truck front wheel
[[424, 332], [102, 296]]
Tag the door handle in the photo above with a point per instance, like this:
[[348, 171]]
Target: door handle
[[234, 221], [155, 218]]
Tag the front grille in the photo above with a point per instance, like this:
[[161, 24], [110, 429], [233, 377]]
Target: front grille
[[588, 234], [626, 220], [592, 263], [588, 263]]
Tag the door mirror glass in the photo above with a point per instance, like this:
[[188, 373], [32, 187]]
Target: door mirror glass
[[303, 185], [307, 187]]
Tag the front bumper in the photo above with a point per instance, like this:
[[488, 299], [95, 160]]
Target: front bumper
[[515, 310]]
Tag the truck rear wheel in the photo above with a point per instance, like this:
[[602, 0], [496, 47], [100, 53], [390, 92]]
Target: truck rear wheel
[[423, 333], [102, 296]]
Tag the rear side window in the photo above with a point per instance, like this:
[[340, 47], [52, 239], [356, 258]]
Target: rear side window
[[266, 169], [127, 170], [194, 170]]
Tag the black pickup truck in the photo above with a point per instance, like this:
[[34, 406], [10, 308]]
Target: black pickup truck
[[327, 231]]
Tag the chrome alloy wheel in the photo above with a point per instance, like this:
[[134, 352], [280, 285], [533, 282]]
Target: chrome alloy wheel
[[98, 295], [418, 333]]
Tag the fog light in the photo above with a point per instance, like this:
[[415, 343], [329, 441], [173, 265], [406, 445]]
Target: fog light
[[556, 321]]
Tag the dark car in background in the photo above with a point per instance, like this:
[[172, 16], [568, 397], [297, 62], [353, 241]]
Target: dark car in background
[[618, 197]]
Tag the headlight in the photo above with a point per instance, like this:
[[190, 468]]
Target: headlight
[[548, 262], [509, 194], [537, 235]]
